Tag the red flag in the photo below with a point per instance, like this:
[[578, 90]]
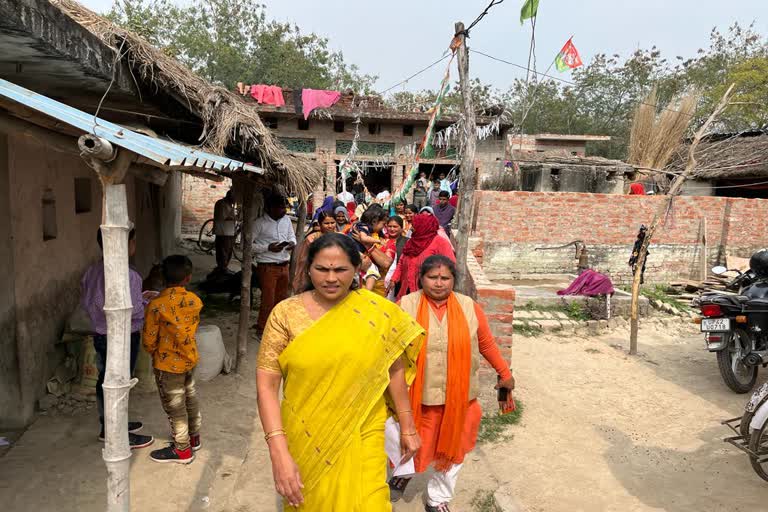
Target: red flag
[[568, 57]]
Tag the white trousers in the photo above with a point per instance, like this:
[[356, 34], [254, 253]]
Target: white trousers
[[441, 487]]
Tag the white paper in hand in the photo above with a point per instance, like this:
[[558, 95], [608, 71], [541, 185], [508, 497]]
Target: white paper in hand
[[392, 447]]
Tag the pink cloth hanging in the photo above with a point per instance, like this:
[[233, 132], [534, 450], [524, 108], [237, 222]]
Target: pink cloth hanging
[[268, 94], [313, 98]]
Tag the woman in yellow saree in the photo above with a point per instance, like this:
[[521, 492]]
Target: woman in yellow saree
[[337, 351]]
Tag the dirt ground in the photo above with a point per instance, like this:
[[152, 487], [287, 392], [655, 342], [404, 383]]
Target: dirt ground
[[601, 432]]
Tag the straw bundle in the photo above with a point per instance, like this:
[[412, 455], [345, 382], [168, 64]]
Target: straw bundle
[[654, 139], [228, 121]]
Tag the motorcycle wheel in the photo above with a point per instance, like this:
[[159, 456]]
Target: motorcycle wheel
[[737, 376], [758, 443]]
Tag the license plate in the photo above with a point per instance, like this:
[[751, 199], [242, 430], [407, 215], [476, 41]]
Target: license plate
[[715, 324]]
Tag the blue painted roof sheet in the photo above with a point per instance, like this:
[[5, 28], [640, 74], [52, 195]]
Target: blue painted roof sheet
[[164, 152]]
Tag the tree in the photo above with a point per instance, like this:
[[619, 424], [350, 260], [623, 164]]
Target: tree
[[253, 49]]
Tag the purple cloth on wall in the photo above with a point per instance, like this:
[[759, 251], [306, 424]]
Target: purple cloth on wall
[[92, 298], [589, 283]]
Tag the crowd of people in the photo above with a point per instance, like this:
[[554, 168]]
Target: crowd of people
[[368, 341], [373, 330]]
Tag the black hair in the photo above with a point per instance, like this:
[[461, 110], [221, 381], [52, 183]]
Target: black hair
[[176, 268], [322, 215], [398, 219], [327, 241], [413, 208], [274, 200], [373, 214], [443, 193], [100, 241], [437, 260]]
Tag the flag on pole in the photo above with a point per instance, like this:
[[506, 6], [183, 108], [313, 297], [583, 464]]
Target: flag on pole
[[529, 10], [568, 58]]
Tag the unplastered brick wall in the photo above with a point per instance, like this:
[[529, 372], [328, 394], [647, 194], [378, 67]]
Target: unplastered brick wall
[[513, 225], [198, 197], [498, 303]]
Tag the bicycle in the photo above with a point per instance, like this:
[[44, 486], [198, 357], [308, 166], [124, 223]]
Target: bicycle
[[206, 239]]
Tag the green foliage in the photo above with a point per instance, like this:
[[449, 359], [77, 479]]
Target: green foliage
[[493, 426], [573, 309], [230, 41], [602, 96]]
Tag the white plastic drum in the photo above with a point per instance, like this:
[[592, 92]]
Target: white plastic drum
[[210, 347]]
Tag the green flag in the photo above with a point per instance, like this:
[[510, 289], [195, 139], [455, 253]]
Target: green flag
[[529, 10]]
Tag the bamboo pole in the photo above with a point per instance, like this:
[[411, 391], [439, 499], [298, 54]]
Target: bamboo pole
[[468, 175], [247, 268], [704, 243], [301, 222], [112, 166], [661, 210]]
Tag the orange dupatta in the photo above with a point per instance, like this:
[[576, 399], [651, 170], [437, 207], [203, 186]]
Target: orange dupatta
[[457, 386]]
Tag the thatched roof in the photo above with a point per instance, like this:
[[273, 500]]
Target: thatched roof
[[567, 161], [728, 156], [229, 121]]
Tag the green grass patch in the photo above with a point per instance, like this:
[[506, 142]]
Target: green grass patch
[[528, 330], [661, 293], [484, 501], [493, 426], [573, 309]]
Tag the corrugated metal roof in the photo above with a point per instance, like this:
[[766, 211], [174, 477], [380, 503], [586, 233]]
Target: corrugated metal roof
[[161, 151]]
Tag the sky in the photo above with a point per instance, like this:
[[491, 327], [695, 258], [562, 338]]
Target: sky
[[396, 38]]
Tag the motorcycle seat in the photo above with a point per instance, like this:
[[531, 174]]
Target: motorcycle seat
[[761, 303]]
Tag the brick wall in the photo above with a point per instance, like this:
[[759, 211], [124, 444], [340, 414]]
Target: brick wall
[[498, 303], [197, 199], [514, 224]]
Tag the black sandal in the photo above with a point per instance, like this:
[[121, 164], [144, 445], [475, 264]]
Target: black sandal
[[397, 487]]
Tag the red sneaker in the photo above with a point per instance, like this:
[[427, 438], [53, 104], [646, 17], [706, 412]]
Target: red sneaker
[[194, 441], [171, 454]]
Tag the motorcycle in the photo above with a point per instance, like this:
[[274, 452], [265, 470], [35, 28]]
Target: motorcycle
[[751, 431], [735, 327]]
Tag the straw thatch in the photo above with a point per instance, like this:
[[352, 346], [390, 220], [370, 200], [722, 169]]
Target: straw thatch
[[655, 139], [229, 122], [729, 156]]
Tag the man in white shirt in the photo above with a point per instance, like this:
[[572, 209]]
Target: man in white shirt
[[224, 230], [273, 241]]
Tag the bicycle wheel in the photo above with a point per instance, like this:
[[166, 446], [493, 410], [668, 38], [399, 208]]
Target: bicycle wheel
[[237, 250], [205, 240]]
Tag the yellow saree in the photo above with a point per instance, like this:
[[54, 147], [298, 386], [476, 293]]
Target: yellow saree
[[335, 375]]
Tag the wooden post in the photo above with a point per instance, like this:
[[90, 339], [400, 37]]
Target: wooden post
[[663, 207], [704, 260], [468, 176], [115, 226], [247, 267], [301, 222]]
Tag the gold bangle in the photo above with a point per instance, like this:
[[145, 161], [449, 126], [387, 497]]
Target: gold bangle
[[404, 412], [409, 433], [274, 433]]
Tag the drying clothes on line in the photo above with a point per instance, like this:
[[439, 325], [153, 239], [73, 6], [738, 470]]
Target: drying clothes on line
[[314, 98], [590, 284], [268, 94]]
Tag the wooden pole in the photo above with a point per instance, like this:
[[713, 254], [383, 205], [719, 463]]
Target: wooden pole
[[661, 210], [117, 308], [301, 222], [468, 176], [704, 259], [247, 267]]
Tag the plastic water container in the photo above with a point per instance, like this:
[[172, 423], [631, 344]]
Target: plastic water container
[[210, 347]]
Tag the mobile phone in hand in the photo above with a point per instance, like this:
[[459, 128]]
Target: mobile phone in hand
[[505, 399]]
